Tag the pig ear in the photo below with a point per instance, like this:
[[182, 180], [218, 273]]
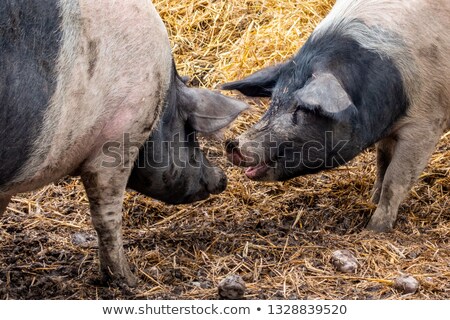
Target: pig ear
[[259, 84], [208, 111], [324, 94]]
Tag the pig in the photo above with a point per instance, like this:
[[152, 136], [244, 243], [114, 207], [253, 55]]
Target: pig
[[83, 85], [373, 72]]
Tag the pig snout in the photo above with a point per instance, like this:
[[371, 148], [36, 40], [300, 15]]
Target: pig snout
[[234, 154], [245, 155], [217, 183], [257, 167]]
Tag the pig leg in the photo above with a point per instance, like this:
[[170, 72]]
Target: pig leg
[[105, 189], [413, 148], [4, 201], [385, 150]]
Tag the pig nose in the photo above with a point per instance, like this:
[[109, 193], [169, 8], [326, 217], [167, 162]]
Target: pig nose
[[233, 153], [231, 145], [219, 183], [222, 184]]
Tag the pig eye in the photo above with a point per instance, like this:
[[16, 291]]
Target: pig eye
[[309, 109], [294, 116], [306, 110], [299, 108], [191, 134]]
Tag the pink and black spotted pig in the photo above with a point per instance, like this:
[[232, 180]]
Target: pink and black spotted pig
[[373, 72], [83, 85]]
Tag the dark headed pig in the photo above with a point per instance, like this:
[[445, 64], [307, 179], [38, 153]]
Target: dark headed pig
[[373, 72]]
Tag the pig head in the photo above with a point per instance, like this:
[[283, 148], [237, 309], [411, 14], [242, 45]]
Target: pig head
[[171, 166]]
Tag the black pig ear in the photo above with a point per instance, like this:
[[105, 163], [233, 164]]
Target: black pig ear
[[324, 94], [259, 84]]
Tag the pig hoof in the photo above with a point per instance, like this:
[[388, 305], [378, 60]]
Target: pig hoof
[[131, 281], [379, 226], [128, 279], [121, 282]]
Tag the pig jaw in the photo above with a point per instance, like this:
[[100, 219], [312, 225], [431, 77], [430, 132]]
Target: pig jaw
[[214, 181], [177, 185], [177, 193]]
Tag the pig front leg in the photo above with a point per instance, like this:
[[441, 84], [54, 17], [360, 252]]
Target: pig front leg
[[385, 150], [4, 201], [105, 189], [414, 146]]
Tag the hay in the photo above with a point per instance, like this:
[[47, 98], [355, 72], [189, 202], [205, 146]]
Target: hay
[[278, 236]]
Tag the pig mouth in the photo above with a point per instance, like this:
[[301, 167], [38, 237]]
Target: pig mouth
[[257, 172], [253, 172]]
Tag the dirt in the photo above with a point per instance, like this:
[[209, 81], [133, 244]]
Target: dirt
[[278, 237]]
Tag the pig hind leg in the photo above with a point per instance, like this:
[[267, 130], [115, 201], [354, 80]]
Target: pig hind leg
[[105, 188], [385, 150], [414, 146]]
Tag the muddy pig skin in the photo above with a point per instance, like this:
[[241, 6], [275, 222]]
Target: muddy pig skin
[[83, 85], [372, 72]]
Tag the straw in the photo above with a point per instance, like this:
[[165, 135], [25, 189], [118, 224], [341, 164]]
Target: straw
[[278, 236]]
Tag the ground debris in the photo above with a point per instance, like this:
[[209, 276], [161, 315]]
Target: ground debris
[[344, 261], [406, 284], [232, 288]]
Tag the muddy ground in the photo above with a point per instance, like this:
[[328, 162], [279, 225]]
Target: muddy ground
[[279, 237]]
